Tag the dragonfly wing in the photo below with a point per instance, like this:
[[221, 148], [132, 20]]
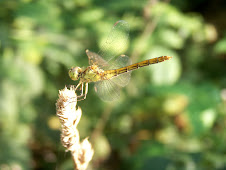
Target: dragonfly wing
[[94, 58], [116, 41], [107, 90], [122, 79]]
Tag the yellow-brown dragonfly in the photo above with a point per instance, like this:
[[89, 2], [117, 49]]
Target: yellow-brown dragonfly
[[108, 71]]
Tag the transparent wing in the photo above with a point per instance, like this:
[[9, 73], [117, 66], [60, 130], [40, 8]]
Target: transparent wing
[[121, 61], [116, 42], [107, 90], [94, 58]]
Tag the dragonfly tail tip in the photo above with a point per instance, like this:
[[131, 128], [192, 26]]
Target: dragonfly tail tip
[[168, 57]]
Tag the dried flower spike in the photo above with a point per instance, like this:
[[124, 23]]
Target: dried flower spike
[[69, 116]]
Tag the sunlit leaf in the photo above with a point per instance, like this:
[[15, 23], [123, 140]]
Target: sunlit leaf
[[167, 72], [220, 47]]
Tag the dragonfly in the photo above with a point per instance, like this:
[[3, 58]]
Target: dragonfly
[[107, 69]]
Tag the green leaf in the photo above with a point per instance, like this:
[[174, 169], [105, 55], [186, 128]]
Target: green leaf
[[165, 73]]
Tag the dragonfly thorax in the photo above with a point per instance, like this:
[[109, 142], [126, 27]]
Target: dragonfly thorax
[[75, 73]]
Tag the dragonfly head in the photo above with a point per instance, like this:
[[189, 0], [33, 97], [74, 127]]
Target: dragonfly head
[[74, 73]]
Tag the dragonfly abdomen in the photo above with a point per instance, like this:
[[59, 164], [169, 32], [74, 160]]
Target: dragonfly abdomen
[[111, 73], [147, 63]]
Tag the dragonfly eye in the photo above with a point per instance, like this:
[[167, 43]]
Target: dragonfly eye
[[74, 73]]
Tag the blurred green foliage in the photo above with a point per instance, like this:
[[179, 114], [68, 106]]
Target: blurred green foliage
[[170, 116]]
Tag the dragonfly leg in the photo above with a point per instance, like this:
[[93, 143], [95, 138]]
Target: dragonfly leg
[[77, 86], [82, 90], [83, 95], [86, 90], [82, 85]]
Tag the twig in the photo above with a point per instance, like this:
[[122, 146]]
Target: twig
[[101, 123], [149, 28], [69, 116]]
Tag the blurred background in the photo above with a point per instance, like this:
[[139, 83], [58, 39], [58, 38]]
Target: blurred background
[[171, 116]]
